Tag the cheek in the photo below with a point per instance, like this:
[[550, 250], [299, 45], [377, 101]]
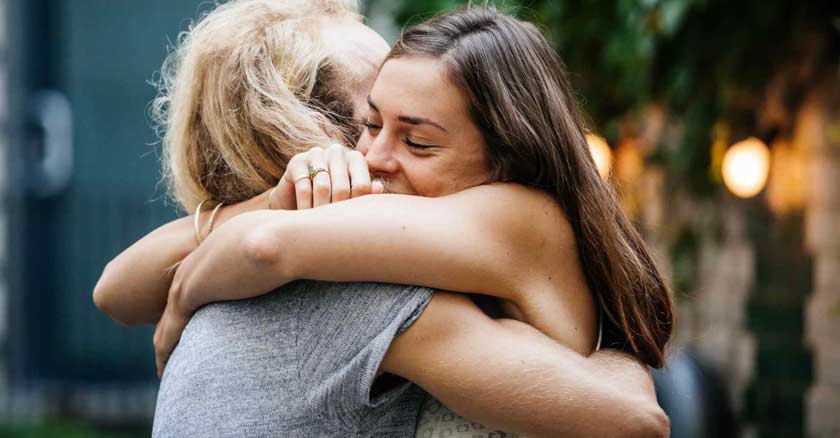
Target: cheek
[[476, 172], [424, 180], [465, 170]]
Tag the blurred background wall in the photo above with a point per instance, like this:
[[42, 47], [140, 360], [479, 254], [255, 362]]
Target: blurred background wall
[[717, 121], [4, 217]]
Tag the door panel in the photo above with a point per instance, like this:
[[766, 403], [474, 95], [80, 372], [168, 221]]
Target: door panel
[[100, 54]]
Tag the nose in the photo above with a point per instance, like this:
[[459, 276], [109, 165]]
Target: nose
[[380, 156]]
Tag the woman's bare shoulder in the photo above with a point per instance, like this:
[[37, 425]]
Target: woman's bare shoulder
[[516, 203], [540, 243]]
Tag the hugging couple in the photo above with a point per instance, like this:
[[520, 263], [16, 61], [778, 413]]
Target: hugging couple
[[387, 242]]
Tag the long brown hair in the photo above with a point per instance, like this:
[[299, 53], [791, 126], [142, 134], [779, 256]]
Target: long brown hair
[[525, 108]]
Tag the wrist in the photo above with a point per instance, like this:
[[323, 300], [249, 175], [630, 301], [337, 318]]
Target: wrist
[[177, 301], [181, 297]]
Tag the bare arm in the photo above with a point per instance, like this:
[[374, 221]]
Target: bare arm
[[134, 285], [133, 288], [477, 240], [507, 375]]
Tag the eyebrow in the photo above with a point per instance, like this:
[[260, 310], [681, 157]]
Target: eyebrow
[[410, 120]]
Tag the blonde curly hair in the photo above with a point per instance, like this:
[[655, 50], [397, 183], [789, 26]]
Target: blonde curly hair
[[249, 85]]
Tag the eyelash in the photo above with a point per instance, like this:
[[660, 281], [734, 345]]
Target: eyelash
[[414, 145], [368, 125]]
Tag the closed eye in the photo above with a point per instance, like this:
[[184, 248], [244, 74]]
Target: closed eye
[[370, 126], [414, 145]]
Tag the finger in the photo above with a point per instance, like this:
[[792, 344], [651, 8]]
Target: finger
[[160, 362], [171, 336], [283, 197], [298, 177], [159, 359], [321, 183], [284, 194], [377, 187], [360, 183], [339, 174]]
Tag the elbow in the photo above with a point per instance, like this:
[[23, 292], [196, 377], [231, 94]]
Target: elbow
[[652, 423], [639, 421], [104, 298], [262, 247], [102, 293], [100, 297], [257, 248], [660, 424]]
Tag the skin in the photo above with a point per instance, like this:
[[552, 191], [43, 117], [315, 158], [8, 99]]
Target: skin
[[419, 136], [420, 139], [452, 339], [134, 285]]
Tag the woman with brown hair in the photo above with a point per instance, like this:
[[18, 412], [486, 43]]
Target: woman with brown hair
[[508, 201], [473, 113]]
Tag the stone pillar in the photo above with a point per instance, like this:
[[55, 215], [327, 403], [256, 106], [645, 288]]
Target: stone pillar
[[727, 272], [818, 128]]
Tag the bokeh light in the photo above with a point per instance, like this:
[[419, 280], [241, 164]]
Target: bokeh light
[[745, 167], [601, 154]]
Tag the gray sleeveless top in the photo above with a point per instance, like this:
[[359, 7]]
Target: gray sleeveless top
[[298, 362]]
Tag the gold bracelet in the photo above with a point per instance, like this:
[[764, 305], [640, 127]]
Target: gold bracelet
[[213, 217], [197, 222], [271, 196]]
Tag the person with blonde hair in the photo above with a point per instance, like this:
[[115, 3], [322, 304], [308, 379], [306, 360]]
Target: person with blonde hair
[[251, 85], [308, 359]]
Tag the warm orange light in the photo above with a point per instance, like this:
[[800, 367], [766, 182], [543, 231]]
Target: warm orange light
[[745, 167], [628, 163], [786, 186], [601, 154]]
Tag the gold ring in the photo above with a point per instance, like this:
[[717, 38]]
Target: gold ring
[[301, 178], [313, 171]]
